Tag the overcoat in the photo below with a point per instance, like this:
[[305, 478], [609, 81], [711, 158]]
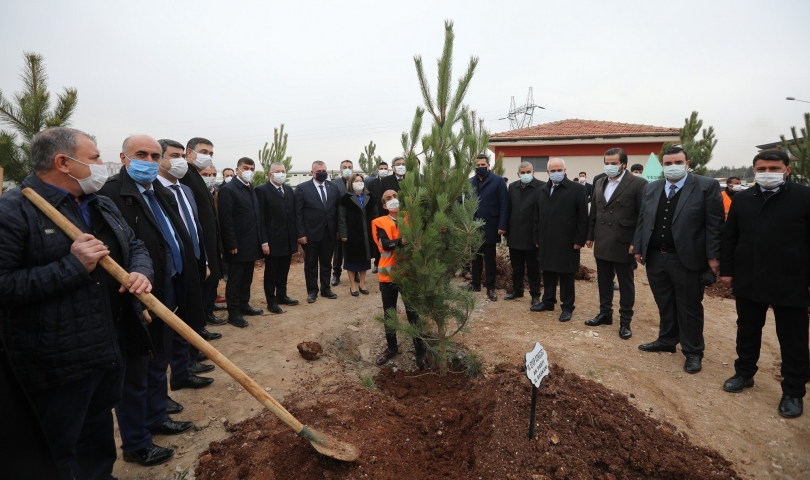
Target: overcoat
[[493, 205], [208, 219], [612, 223], [278, 218], [523, 200], [240, 220], [560, 222], [354, 224]]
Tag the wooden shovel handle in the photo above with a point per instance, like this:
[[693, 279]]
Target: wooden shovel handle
[[171, 319]]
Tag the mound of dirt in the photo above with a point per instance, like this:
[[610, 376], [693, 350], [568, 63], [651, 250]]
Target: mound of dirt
[[310, 350], [425, 426], [718, 290]]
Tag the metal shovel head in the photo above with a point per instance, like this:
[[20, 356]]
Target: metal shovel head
[[329, 445]]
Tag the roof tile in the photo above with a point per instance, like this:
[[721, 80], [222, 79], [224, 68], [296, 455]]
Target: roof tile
[[583, 128]]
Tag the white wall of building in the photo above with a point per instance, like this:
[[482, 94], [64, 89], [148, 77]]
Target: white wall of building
[[591, 165]]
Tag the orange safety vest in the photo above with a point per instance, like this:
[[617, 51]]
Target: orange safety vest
[[726, 202], [387, 257]]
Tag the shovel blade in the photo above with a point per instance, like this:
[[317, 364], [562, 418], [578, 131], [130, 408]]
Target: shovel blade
[[330, 446]]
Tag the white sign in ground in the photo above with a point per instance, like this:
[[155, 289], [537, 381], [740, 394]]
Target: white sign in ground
[[536, 364]]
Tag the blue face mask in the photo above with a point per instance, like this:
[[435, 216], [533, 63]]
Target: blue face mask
[[556, 177], [142, 172], [321, 176], [481, 171], [526, 177]]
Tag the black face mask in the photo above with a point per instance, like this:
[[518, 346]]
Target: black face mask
[[321, 176], [481, 171]]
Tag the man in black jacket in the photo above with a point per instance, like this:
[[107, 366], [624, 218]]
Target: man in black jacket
[[277, 208], [519, 234], [69, 360], [342, 182], [243, 240], [765, 258]]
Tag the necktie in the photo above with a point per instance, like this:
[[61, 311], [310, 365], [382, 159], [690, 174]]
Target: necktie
[[767, 193], [167, 232], [323, 194], [189, 220], [281, 191], [672, 189]]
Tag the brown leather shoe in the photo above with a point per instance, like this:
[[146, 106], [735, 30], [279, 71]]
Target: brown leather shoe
[[383, 358]]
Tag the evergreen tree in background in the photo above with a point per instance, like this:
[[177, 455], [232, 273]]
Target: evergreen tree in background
[[29, 112], [368, 161], [498, 168], [276, 152], [799, 147], [441, 232], [699, 151]]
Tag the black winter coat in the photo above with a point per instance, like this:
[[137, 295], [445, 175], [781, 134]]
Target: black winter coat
[[208, 219], [354, 224], [493, 205], [523, 200], [278, 218], [240, 220], [122, 190], [560, 222], [55, 317], [766, 246]]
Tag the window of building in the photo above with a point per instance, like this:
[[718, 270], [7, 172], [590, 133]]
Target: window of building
[[539, 164]]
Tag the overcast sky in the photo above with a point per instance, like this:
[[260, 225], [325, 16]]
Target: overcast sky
[[339, 74]]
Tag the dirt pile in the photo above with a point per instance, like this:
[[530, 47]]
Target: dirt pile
[[718, 290], [504, 279], [424, 426]]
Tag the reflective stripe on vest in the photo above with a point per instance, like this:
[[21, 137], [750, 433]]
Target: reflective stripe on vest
[[386, 254]]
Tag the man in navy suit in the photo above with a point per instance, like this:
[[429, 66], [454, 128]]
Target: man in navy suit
[[316, 222]]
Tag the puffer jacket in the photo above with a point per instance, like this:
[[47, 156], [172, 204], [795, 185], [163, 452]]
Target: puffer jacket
[[56, 316]]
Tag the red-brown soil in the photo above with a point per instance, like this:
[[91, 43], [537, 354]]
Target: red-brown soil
[[426, 426], [310, 350]]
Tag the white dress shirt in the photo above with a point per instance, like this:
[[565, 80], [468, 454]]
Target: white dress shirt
[[180, 196], [612, 184]]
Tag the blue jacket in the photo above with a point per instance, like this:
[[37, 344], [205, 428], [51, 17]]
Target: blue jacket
[[493, 205]]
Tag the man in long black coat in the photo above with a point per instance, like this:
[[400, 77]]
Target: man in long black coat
[[765, 258], [243, 240], [560, 229], [520, 234], [277, 208]]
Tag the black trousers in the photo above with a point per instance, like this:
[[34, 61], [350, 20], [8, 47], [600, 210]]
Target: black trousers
[[318, 263], [679, 296], [337, 259], [237, 290], [485, 254], [389, 294], [276, 270], [567, 295], [525, 262], [605, 271], [209, 293], [78, 422], [791, 330]]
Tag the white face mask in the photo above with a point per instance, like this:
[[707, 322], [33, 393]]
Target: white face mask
[[228, 179], [203, 161], [177, 168], [392, 205], [96, 180], [675, 172], [736, 188], [612, 171], [526, 177], [768, 180], [358, 186], [582, 180], [346, 173], [637, 174], [400, 169], [247, 176], [382, 173], [210, 181], [279, 178]]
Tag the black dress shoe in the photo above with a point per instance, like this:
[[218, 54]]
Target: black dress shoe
[[312, 298], [329, 294], [201, 357], [565, 316], [491, 295], [170, 427], [790, 407], [335, 280], [212, 319], [737, 383], [274, 308], [210, 335], [374, 269], [220, 308], [250, 310], [383, 358], [196, 368], [600, 319], [191, 382], [173, 407], [624, 331], [364, 291], [354, 294], [237, 320], [357, 277], [513, 295], [287, 301], [542, 307], [149, 456], [656, 346], [473, 288], [535, 300], [692, 365]]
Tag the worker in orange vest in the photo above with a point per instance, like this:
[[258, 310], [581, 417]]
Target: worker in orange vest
[[387, 237], [733, 185]]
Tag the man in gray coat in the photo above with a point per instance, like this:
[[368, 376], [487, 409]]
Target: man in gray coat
[[615, 203], [678, 237], [519, 234]]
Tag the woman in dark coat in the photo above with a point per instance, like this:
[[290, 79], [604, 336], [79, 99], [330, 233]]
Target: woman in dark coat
[[356, 210]]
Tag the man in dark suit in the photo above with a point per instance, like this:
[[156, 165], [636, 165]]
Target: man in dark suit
[[678, 238], [342, 183], [583, 180], [519, 234], [152, 213], [316, 221], [560, 229], [277, 207], [493, 209], [615, 203], [765, 258], [391, 182], [243, 240]]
